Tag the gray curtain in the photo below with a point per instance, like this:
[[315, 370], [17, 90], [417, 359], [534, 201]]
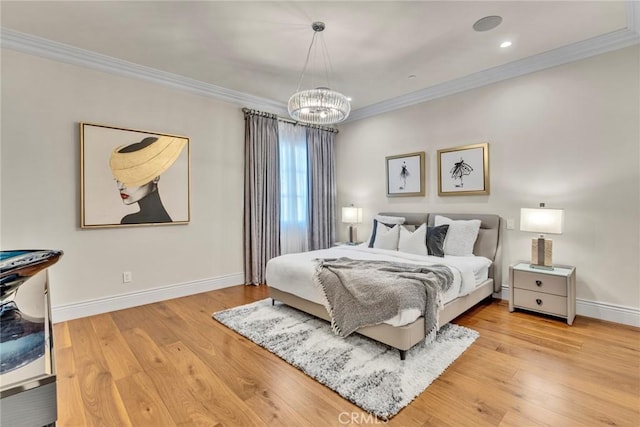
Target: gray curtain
[[322, 188], [261, 195]]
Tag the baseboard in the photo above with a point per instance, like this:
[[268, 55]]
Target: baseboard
[[597, 310], [61, 313]]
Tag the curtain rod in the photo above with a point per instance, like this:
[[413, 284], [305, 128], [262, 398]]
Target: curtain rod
[[250, 111]]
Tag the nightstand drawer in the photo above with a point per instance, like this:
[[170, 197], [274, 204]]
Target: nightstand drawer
[[546, 283], [538, 301]]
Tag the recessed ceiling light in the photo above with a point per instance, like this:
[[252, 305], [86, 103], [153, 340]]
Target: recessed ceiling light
[[487, 23], [349, 98], [506, 43], [412, 76]]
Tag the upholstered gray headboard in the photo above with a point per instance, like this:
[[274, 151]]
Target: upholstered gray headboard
[[488, 244], [410, 218]]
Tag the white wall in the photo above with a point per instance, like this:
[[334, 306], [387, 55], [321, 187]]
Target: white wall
[[42, 103], [567, 136]]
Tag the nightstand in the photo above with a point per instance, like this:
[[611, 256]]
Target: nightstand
[[544, 291]]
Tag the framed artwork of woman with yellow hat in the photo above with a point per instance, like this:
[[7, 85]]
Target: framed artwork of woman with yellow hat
[[132, 177]]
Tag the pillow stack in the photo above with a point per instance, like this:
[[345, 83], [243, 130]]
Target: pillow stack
[[447, 237]]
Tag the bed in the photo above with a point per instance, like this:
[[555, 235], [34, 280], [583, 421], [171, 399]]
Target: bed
[[288, 280]]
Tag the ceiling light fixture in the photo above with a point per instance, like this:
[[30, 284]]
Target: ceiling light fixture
[[319, 106], [504, 44]]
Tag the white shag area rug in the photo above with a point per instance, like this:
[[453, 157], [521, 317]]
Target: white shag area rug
[[363, 371]]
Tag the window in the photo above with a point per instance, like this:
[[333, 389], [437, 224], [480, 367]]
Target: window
[[294, 188]]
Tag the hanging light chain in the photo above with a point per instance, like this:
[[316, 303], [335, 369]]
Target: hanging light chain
[[306, 62], [326, 59]]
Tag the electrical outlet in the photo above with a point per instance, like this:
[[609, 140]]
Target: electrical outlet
[[510, 224], [127, 277]]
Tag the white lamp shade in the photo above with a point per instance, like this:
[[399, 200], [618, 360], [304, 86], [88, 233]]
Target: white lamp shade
[[542, 220], [351, 215]]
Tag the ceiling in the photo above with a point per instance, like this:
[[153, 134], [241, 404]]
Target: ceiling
[[378, 50]]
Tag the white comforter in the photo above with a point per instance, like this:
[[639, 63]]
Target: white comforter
[[293, 273]]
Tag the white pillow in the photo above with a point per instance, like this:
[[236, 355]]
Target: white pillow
[[386, 220], [461, 236], [413, 243], [387, 238]]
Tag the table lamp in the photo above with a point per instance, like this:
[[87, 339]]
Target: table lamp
[[544, 221], [352, 215]]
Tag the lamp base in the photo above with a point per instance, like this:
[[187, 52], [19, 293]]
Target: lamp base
[[352, 234], [541, 253]]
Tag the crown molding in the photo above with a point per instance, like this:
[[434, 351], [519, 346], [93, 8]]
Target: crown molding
[[619, 39], [562, 55], [27, 43]]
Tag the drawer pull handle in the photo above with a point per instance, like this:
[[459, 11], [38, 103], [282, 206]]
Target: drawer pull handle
[[539, 301], [538, 282]]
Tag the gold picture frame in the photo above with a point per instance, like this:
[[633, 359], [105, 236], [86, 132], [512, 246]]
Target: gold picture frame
[[464, 170], [131, 177], [402, 178]]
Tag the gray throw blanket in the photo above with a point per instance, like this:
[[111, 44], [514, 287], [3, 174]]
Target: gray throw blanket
[[362, 293]]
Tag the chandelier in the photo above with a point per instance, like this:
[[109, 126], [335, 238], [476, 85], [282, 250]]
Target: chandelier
[[319, 106]]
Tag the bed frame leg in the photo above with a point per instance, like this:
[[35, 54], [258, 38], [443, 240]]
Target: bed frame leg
[[403, 354]]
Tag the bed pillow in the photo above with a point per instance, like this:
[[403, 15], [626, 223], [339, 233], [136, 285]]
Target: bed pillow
[[387, 237], [389, 221], [461, 236], [413, 242], [435, 239]]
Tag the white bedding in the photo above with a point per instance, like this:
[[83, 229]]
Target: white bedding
[[293, 273]]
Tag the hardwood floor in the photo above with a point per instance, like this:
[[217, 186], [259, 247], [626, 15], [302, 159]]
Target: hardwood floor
[[170, 363]]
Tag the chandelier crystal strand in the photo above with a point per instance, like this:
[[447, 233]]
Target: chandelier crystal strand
[[320, 106]]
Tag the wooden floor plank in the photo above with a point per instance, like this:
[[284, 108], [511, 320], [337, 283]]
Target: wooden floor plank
[[68, 388], [580, 405], [100, 398], [61, 335], [207, 387], [261, 370], [144, 405], [170, 363], [120, 360], [169, 384]]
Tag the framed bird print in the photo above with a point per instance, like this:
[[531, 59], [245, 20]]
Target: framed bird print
[[463, 171], [405, 175]]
